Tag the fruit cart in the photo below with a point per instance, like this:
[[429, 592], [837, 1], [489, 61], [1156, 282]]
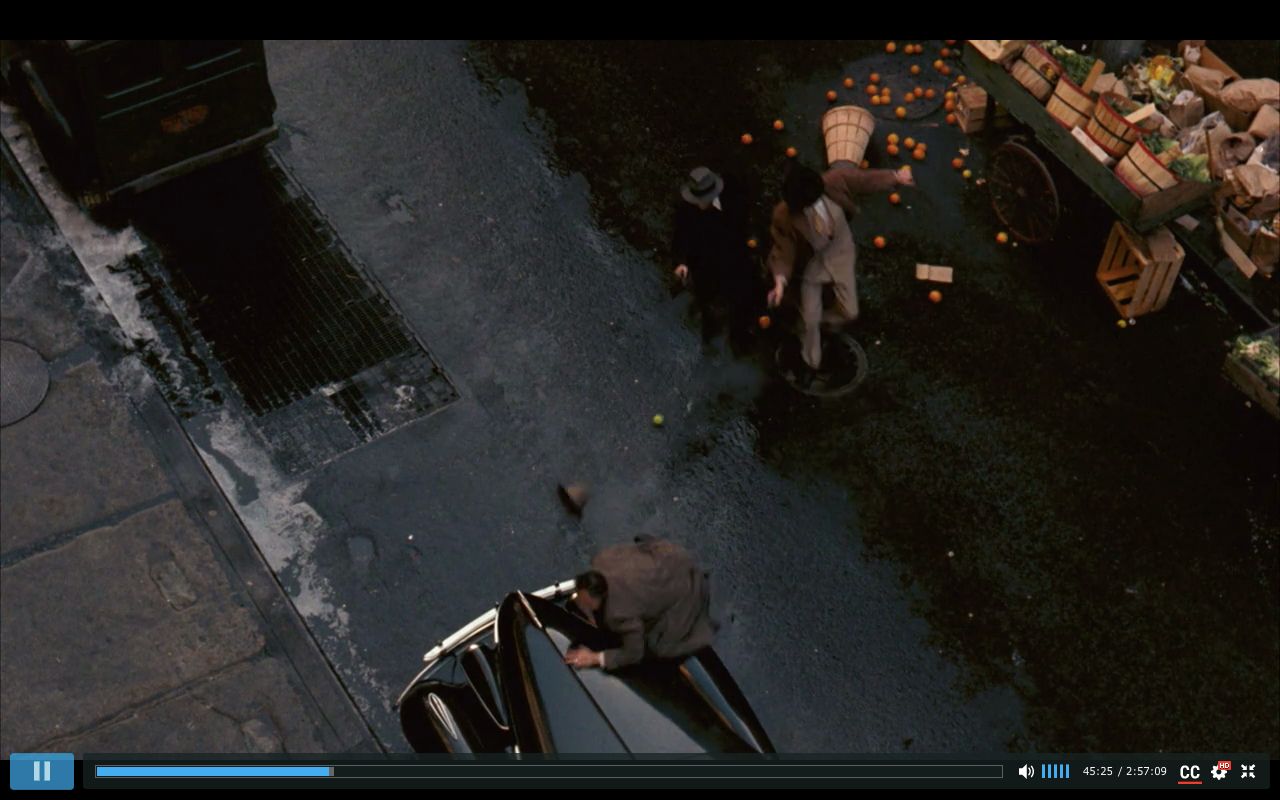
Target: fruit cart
[[1026, 199]]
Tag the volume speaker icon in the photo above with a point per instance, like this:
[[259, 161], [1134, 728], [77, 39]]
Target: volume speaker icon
[[1026, 771]]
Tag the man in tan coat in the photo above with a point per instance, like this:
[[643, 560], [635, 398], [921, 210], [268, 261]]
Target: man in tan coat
[[652, 595], [811, 236]]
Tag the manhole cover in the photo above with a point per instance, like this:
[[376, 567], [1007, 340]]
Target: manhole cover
[[844, 365], [24, 381]]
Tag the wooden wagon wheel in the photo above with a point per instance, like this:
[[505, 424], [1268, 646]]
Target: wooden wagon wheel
[[1023, 194]]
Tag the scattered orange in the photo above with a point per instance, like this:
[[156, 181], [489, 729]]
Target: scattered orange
[[909, 143], [929, 94], [957, 163], [875, 77], [879, 242], [909, 98], [875, 99], [962, 79], [951, 119], [935, 296], [752, 243], [831, 96], [848, 83], [765, 321], [893, 138], [791, 152], [915, 69], [950, 105], [895, 198], [891, 47], [946, 53], [945, 70], [918, 154], [892, 149], [918, 92], [900, 112], [966, 174], [1002, 237], [937, 64], [778, 125], [747, 139], [871, 89], [950, 96]]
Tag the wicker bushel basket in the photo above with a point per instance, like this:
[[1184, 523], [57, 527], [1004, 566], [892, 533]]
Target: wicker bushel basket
[[1108, 127], [847, 131], [1143, 173], [1070, 105], [1038, 83]]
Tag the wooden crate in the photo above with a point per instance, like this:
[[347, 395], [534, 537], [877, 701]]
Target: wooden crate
[[971, 110], [1254, 386], [1138, 272]]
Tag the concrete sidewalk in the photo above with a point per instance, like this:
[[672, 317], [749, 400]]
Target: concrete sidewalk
[[137, 614]]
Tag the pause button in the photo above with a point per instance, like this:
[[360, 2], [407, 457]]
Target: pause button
[[36, 771]]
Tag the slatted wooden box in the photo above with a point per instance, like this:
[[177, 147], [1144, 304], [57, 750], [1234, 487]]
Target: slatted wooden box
[[1138, 272]]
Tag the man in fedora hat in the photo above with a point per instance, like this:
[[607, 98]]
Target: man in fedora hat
[[710, 251], [812, 238]]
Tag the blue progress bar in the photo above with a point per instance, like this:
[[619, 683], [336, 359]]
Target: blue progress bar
[[215, 771]]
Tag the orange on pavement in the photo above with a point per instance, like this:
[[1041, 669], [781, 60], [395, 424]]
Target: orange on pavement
[[879, 242]]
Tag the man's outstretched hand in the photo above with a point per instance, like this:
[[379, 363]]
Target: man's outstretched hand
[[582, 658]]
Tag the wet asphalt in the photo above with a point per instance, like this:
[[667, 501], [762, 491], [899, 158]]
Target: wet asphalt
[[1028, 529]]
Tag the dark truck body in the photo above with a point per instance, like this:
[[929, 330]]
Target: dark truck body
[[120, 116]]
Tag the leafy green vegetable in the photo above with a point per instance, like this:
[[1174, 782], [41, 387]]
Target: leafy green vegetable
[[1157, 144], [1076, 64], [1192, 168], [1260, 353]]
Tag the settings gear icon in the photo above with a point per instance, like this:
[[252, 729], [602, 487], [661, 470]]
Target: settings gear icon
[[1219, 773]]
